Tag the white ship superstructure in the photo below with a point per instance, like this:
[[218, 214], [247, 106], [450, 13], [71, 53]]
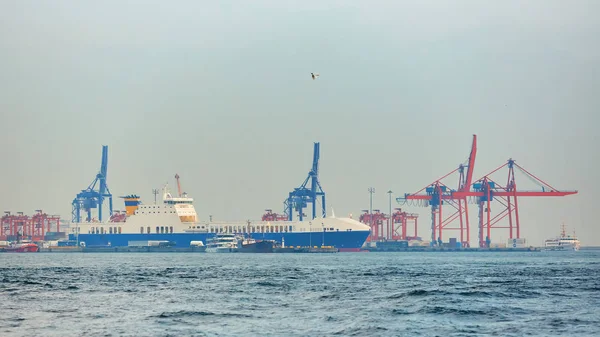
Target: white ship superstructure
[[563, 242]]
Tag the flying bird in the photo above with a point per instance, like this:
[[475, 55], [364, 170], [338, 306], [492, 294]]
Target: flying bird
[[314, 76]]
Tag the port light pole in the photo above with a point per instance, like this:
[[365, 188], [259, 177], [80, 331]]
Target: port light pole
[[310, 233], [155, 192], [371, 191], [390, 224]]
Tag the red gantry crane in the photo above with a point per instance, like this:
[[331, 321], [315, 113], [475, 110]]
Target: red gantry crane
[[375, 220], [399, 228], [437, 194], [487, 190]]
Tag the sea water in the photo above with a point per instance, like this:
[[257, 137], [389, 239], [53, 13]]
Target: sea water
[[344, 294]]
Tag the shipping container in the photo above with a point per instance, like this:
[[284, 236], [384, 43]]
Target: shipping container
[[148, 243], [516, 243], [392, 245], [67, 243]]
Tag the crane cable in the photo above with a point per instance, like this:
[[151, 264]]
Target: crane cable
[[535, 181]]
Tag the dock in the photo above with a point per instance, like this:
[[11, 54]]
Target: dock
[[446, 249], [157, 249], [325, 249], [124, 249]]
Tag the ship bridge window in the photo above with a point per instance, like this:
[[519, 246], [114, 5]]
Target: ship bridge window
[[119, 230], [110, 230], [162, 229], [148, 230], [291, 230], [141, 230], [171, 229], [157, 230]]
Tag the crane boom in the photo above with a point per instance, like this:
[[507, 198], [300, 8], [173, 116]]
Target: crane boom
[[471, 166]]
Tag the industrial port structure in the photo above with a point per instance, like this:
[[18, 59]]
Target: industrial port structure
[[299, 198], [449, 207], [92, 198], [35, 227], [395, 227]]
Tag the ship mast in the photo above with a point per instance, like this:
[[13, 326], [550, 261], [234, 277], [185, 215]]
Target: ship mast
[[563, 234], [178, 184]]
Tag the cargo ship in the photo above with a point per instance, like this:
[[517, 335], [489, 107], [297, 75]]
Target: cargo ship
[[175, 220], [251, 245]]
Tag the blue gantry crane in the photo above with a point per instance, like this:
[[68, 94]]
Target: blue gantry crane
[[91, 198], [301, 196]]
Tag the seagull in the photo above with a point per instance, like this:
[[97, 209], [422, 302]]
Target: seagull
[[314, 76]]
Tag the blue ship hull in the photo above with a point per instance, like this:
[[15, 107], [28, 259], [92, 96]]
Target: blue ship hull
[[341, 240]]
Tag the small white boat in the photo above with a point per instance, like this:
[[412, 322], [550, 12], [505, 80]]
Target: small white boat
[[563, 242], [223, 243]]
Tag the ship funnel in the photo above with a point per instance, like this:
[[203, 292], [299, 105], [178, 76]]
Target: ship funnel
[[132, 203]]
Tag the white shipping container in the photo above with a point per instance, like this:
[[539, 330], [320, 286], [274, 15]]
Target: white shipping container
[[137, 243], [516, 243]]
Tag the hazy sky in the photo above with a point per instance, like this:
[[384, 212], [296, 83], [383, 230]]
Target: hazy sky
[[220, 92]]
